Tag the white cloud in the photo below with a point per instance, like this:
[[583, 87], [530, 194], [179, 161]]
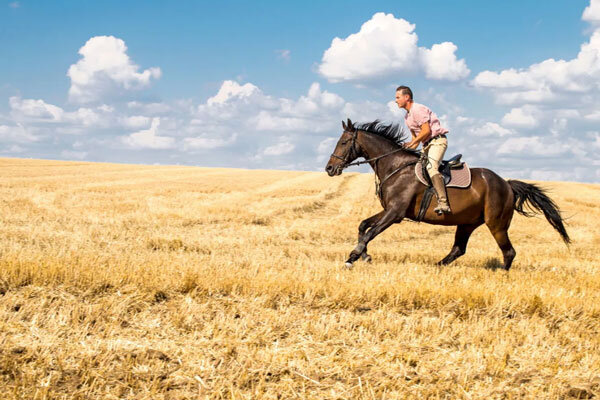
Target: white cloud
[[593, 116], [537, 146], [279, 149], [384, 46], [134, 121], [522, 117], [310, 113], [591, 13], [325, 148], [551, 80], [17, 134], [596, 142], [148, 138], [35, 109], [491, 129], [84, 116], [38, 111], [440, 62], [326, 145], [232, 90], [207, 142], [104, 69], [151, 109]]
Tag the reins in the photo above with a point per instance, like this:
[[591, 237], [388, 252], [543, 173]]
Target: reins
[[378, 185], [345, 159]]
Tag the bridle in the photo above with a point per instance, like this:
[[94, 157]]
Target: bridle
[[378, 184], [345, 159]]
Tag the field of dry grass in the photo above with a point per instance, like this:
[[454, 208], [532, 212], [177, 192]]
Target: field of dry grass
[[152, 282]]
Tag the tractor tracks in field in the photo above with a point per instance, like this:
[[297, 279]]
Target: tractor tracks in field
[[323, 200]]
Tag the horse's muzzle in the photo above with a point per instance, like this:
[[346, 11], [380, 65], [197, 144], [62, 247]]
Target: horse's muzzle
[[333, 169]]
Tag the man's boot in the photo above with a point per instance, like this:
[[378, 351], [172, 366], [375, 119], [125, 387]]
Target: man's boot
[[440, 191]]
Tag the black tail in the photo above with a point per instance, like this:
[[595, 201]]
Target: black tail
[[537, 199]]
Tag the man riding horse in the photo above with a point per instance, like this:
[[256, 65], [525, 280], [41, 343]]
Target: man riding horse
[[486, 199], [426, 129]]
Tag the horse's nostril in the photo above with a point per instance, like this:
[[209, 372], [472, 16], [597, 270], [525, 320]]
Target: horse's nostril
[[329, 168]]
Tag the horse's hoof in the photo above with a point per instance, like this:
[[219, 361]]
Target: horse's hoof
[[348, 265], [367, 258]]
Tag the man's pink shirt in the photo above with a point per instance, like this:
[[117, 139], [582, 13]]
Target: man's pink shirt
[[418, 115]]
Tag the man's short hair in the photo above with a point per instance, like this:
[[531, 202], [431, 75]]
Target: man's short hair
[[405, 90]]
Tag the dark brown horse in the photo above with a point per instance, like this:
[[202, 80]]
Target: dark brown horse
[[489, 199]]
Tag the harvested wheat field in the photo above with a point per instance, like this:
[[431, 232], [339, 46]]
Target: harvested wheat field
[[158, 282]]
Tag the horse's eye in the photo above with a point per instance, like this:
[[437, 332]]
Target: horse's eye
[[344, 142]]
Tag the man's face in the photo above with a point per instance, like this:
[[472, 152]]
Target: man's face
[[401, 99]]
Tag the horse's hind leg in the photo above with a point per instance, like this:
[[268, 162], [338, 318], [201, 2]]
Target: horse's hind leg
[[498, 216], [461, 238], [508, 251]]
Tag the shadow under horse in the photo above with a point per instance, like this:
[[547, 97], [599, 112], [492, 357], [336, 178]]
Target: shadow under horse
[[489, 199]]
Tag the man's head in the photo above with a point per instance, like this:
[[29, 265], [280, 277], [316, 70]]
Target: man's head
[[403, 96]]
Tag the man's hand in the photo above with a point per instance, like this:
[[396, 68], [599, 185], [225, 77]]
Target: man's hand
[[425, 131], [412, 145]]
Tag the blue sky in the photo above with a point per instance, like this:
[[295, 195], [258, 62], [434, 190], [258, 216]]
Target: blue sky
[[279, 86]]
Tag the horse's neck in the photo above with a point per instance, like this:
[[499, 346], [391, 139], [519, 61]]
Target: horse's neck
[[373, 146]]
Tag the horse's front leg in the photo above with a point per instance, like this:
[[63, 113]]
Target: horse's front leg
[[387, 218], [362, 228]]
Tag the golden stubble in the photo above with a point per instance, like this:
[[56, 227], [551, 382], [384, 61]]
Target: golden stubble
[[151, 282]]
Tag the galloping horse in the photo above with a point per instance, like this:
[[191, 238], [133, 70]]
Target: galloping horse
[[489, 199]]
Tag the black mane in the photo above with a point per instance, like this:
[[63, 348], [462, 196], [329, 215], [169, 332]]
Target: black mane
[[389, 131]]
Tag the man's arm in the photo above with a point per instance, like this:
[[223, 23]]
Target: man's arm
[[425, 131]]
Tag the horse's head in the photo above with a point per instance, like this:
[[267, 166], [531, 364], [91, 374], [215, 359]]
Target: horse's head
[[346, 150]]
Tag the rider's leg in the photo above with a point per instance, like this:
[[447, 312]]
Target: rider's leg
[[435, 153]]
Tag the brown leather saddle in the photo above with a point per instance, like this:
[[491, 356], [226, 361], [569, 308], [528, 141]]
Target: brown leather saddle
[[456, 173]]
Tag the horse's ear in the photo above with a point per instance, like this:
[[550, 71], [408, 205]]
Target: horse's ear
[[349, 123], [344, 126]]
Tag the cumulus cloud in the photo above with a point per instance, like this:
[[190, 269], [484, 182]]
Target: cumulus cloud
[[279, 149], [551, 80], [591, 13], [17, 134], [386, 45], [135, 121], [38, 111], [440, 62], [148, 138], [232, 90], [523, 117], [490, 129], [106, 69], [538, 146], [311, 112], [151, 109], [35, 109], [207, 143]]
